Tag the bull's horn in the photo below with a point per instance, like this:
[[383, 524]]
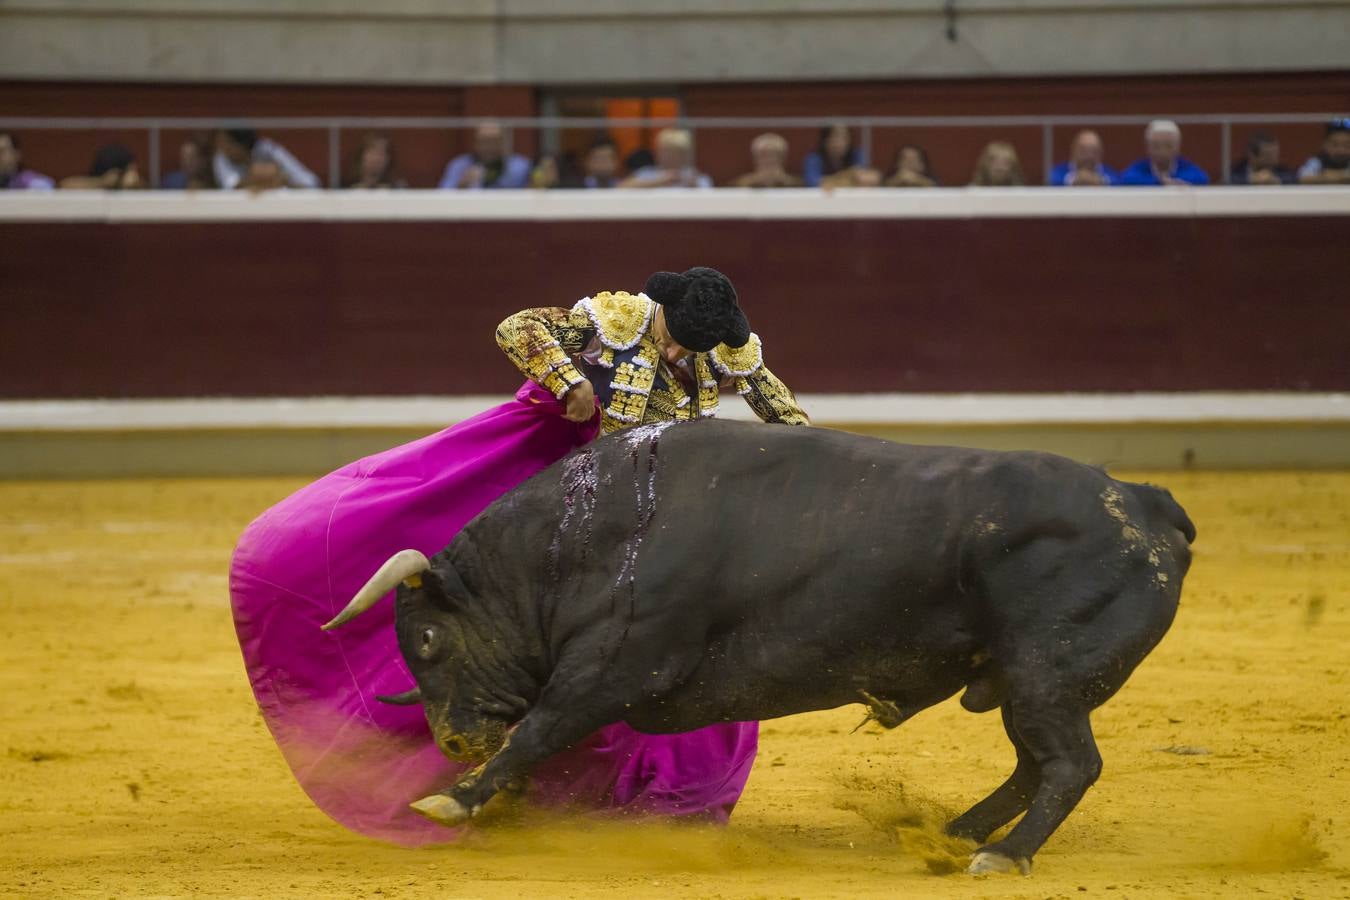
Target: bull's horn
[[407, 698], [403, 564]]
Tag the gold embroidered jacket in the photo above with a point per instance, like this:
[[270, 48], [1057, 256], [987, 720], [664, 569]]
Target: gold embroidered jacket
[[608, 339]]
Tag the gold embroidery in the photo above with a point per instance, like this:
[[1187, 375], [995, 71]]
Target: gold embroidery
[[770, 398], [707, 386], [671, 405], [631, 388], [541, 343], [738, 361], [620, 319]]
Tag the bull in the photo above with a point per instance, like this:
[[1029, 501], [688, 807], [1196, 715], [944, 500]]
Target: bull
[[673, 577]]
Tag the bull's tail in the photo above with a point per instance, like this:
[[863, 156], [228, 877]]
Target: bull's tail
[[1160, 504]]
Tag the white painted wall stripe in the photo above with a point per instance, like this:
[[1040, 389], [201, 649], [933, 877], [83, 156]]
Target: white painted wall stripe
[[723, 203], [842, 409]]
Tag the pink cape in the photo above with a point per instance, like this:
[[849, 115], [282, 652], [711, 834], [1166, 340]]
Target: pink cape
[[362, 762]]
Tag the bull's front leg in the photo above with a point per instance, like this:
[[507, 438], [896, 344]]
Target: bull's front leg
[[559, 720]]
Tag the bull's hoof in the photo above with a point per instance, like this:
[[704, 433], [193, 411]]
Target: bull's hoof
[[445, 810], [987, 863]]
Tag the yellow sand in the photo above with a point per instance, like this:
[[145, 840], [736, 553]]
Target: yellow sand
[[133, 762]]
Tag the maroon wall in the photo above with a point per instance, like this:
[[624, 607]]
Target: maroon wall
[[921, 305]]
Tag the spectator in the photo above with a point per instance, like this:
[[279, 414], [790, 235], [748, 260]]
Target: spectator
[[674, 164], [114, 169], [1164, 163], [264, 175], [12, 175], [768, 153], [1332, 165], [638, 159], [1085, 167], [238, 149], [911, 169], [834, 155], [194, 167], [602, 164], [545, 175], [373, 166], [489, 166], [998, 166], [1262, 163]]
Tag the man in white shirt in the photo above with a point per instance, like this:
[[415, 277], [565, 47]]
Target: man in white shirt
[[238, 148]]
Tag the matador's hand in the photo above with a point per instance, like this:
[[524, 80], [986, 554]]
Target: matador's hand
[[580, 402]]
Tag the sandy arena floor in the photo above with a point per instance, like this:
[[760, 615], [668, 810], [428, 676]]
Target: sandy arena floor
[[134, 763]]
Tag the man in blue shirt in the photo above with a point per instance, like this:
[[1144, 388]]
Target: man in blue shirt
[[1084, 168], [488, 166], [1164, 163]]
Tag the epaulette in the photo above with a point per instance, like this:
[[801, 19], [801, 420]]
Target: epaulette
[[620, 318], [738, 361]]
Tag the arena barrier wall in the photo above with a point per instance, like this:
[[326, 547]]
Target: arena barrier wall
[[876, 295]]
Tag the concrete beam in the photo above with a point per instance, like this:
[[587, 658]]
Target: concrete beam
[[614, 41]]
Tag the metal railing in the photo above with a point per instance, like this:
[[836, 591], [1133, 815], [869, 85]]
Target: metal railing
[[550, 126]]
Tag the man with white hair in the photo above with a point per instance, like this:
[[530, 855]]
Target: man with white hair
[[1164, 163], [674, 164], [769, 154]]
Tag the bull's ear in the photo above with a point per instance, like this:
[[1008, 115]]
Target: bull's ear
[[442, 585]]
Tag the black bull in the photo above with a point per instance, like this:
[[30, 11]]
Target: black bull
[[675, 577]]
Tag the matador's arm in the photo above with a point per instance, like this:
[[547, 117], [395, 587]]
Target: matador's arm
[[770, 398], [541, 342], [767, 395]]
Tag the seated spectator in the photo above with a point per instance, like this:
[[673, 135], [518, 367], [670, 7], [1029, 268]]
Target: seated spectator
[[834, 155], [768, 154], [545, 175], [373, 167], [114, 169], [998, 166], [601, 165], [1164, 163], [911, 169], [264, 175], [854, 176], [1262, 163], [194, 167], [638, 159], [673, 166], [12, 174], [237, 149], [1332, 165], [1085, 167], [488, 166]]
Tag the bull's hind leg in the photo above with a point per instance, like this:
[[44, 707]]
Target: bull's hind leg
[[1061, 745], [1008, 801]]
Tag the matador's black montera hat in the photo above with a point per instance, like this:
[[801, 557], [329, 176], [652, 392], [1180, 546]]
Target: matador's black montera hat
[[701, 310]]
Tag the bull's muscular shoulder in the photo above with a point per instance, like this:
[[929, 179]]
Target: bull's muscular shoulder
[[620, 318], [738, 361]]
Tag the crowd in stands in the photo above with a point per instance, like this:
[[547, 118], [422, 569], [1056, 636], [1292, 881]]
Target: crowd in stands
[[238, 158]]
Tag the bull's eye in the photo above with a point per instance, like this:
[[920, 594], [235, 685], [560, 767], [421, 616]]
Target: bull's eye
[[428, 638]]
